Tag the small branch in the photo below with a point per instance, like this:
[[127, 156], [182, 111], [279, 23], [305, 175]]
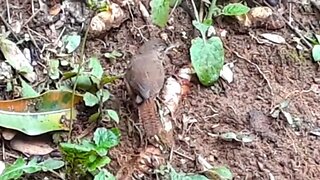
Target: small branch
[[8, 11], [195, 11]]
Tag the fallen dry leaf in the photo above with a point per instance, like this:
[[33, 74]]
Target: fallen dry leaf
[[36, 145], [8, 134]]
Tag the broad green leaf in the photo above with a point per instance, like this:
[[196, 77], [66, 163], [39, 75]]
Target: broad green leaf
[[104, 175], [316, 53], [74, 148], [35, 123], [235, 9], [51, 164], [27, 90], [54, 72], [90, 99], [183, 176], [16, 59], [222, 172], [202, 27], [19, 167], [13, 171], [113, 115], [99, 163], [160, 12], [106, 138], [103, 94], [96, 67], [207, 59], [72, 42], [32, 166]]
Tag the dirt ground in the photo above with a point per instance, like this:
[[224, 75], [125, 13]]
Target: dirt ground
[[264, 76]]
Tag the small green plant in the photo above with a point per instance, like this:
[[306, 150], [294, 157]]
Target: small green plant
[[21, 167], [92, 81], [90, 156], [207, 55]]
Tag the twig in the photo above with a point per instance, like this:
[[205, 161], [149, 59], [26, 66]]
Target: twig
[[76, 80], [8, 11], [31, 17], [185, 156], [32, 6], [260, 71], [130, 11], [32, 39], [9, 28]]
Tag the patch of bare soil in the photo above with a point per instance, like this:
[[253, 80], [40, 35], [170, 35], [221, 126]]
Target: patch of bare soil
[[264, 76]]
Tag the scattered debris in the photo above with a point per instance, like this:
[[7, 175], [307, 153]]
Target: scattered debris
[[273, 38], [226, 72]]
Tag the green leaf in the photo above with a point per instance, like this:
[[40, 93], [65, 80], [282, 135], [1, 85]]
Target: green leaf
[[113, 115], [75, 148], [160, 12], [27, 90], [202, 27], [183, 176], [235, 9], [51, 164], [90, 99], [99, 163], [13, 171], [72, 42], [207, 59], [104, 175], [19, 167], [103, 94], [54, 72], [316, 53], [223, 172], [105, 138], [96, 67]]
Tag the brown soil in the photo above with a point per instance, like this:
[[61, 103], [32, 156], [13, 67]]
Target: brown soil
[[280, 73]]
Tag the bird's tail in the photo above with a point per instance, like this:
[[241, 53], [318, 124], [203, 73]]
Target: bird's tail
[[149, 117]]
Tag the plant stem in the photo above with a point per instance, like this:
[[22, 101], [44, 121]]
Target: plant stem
[[212, 8], [195, 11], [76, 80]]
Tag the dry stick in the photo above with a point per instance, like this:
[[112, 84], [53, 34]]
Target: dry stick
[[252, 63], [9, 27], [183, 155], [8, 11], [31, 17]]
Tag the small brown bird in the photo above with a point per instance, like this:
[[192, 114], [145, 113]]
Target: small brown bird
[[145, 79]]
